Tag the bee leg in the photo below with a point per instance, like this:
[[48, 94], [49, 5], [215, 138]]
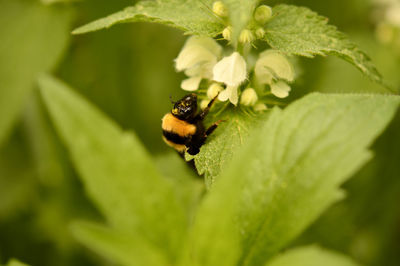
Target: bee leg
[[212, 128], [203, 114]]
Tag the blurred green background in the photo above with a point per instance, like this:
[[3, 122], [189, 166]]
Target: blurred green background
[[128, 72]]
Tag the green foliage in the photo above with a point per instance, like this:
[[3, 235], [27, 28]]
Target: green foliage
[[311, 256], [27, 22], [117, 171], [14, 262], [118, 246], [268, 176], [222, 145], [289, 173], [300, 31], [191, 16]]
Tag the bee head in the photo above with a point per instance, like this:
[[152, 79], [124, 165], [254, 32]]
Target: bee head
[[186, 107]]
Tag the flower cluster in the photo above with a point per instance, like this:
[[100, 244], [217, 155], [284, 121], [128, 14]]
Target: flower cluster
[[232, 74]]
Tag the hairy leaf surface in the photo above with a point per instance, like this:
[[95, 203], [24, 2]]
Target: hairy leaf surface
[[191, 16], [300, 31], [287, 174]]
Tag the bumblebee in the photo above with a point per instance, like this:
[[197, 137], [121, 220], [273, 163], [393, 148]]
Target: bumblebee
[[183, 127]]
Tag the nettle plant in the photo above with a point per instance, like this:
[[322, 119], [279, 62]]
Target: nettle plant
[[269, 172]]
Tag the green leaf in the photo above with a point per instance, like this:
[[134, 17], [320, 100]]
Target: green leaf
[[118, 173], [287, 174], [311, 256], [187, 184], [240, 13], [191, 16], [14, 262], [300, 31], [33, 38], [223, 143], [118, 246]]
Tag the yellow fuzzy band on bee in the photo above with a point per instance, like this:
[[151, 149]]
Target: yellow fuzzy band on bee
[[172, 124], [179, 147]]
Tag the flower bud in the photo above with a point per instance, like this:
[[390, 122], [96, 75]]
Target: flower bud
[[249, 97], [203, 104], [246, 36], [262, 14], [260, 33], [227, 33], [259, 107], [220, 9], [213, 90]]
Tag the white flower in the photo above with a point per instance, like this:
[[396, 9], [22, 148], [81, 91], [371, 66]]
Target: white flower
[[231, 70], [280, 89], [197, 59], [231, 93], [249, 97], [191, 84], [273, 65]]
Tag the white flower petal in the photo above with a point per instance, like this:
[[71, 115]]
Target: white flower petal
[[231, 93], [280, 89], [231, 70], [209, 43], [191, 84], [234, 95], [273, 62], [192, 56], [204, 69]]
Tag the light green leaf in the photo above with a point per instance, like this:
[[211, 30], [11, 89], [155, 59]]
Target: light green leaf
[[300, 31], [120, 247], [14, 262], [191, 16], [187, 184], [118, 173], [240, 13], [287, 175], [32, 39], [223, 143], [311, 256]]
